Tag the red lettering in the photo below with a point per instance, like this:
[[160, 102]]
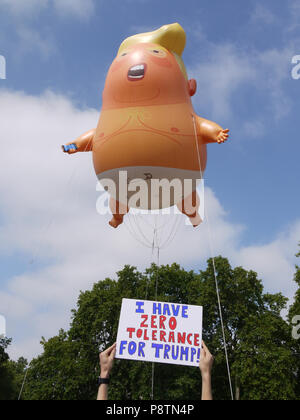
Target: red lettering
[[172, 337], [181, 338], [143, 324], [189, 339], [146, 338], [172, 323], [153, 320], [162, 336], [162, 320], [154, 335], [197, 340], [130, 331]]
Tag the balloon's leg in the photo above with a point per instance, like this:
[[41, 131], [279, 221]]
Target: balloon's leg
[[119, 211], [190, 207]]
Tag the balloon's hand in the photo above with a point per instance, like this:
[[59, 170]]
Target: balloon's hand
[[70, 148], [223, 136]]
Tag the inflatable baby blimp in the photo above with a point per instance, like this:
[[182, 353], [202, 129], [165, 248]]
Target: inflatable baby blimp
[[149, 143]]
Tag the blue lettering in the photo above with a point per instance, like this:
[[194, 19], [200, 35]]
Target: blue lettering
[[157, 348], [132, 348], [156, 308], [175, 356], [141, 349], [139, 307], [167, 310], [176, 310], [184, 352], [184, 312], [167, 350], [122, 347], [193, 354]]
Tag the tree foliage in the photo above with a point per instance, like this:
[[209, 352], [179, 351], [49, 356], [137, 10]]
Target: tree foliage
[[259, 340], [11, 373], [293, 313], [295, 308]]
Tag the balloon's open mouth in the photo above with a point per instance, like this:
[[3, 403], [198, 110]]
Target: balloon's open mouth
[[137, 72]]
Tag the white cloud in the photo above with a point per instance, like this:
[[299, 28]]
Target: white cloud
[[227, 69], [31, 40], [23, 8], [30, 37], [273, 261], [48, 213], [75, 8], [220, 76], [294, 8], [261, 15], [82, 9]]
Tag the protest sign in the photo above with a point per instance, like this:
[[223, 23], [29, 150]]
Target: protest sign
[[160, 332]]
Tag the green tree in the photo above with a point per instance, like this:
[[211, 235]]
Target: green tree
[[5, 378], [295, 308], [293, 313], [17, 371], [8, 384], [57, 373], [259, 343]]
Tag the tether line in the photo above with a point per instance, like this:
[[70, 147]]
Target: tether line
[[44, 231], [155, 246], [214, 267], [23, 384]]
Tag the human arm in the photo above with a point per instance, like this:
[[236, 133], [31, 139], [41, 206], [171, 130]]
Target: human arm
[[211, 132], [83, 143], [206, 364], [106, 365]]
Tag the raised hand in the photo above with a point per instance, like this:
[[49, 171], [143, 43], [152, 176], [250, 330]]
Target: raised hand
[[223, 136], [107, 360], [206, 361]]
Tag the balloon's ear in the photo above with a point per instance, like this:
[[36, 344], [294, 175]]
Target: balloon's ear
[[192, 87]]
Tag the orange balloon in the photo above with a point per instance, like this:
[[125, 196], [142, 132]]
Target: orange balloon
[[148, 128]]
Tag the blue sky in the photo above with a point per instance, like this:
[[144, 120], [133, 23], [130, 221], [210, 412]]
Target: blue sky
[[58, 53]]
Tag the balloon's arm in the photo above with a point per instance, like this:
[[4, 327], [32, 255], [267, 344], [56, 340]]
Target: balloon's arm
[[211, 132], [84, 143]]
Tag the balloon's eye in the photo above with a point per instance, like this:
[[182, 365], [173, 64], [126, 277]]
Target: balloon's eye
[[158, 53], [124, 54]]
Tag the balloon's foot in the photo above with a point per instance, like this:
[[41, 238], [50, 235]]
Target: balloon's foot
[[115, 223], [196, 221]]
